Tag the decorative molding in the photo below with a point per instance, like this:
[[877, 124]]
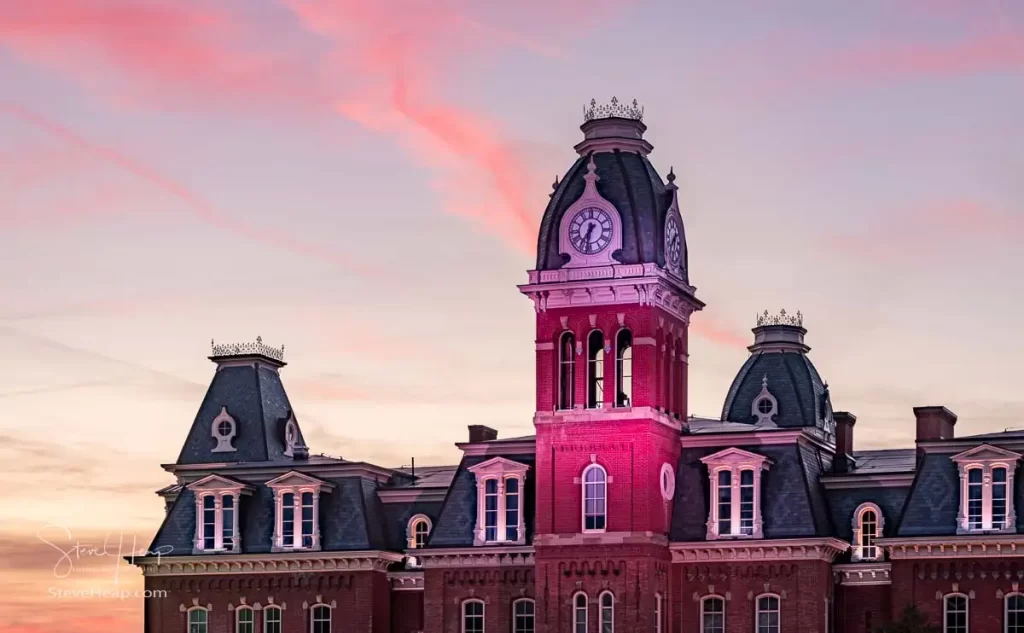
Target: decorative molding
[[757, 436], [406, 580], [859, 574], [612, 414], [266, 563], [487, 556], [601, 538], [613, 109], [973, 546], [231, 350], [328, 467], [411, 495], [499, 447], [824, 549], [780, 319], [846, 482]]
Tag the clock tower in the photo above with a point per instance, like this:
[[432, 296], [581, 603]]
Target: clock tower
[[613, 301]]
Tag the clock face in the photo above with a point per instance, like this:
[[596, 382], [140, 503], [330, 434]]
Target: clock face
[[673, 242], [590, 231]]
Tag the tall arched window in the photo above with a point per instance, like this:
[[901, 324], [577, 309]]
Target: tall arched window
[[768, 614], [271, 619], [523, 616], [595, 499], [595, 369], [320, 620], [567, 371], [197, 620], [712, 615], [868, 529], [624, 368], [418, 531], [954, 613], [245, 620], [975, 506], [473, 616], [679, 380], [579, 613], [607, 612], [1014, 613], [999, 503], [670, 396]]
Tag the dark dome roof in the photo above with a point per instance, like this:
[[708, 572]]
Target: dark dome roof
[[779, 363], [627, 179]]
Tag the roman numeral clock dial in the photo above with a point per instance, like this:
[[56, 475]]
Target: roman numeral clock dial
[[590, 231]]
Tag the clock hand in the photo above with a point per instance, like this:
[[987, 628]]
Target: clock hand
[[590, 229]]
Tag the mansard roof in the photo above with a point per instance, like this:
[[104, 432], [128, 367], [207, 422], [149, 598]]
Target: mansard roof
[[793, 381]]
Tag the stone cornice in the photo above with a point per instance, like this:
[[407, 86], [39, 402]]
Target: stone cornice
[[608, 414], [753, 438], [406, 580], [859, 574], [411, 495], [499, 447], [972, 546], [373, 560], [741, 551], [512, 556], [258, 471], [892, 480], [600, 538]]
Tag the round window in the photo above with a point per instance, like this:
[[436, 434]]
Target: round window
[[765, 406], [224, 428], [668, 482]]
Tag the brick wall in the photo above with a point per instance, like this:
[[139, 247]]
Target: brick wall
[[862, 608], [446, 590], [406, 611]]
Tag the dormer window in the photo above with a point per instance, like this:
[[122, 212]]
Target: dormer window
[[297, 511], [217, 510], [418, 531], [223, 428], [867, 529], [735, 479], [499, 489], [986, 485]]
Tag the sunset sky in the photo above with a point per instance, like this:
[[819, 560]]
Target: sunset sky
[[363, 181]]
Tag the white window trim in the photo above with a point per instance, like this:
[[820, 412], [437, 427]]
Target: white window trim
[[520, 601], [735, 460], [501, 470], [703, 611], [601, 608], [266, 621], [857, 547], [986, 458], [410, 529], [945, 610], [330, 616], [657, 613], [575, 612], [757, 610], [667, 474], [188, 619], [296, 483], [462, 613], [583, 498], [238, 617], [217, 487], [1006, 609]]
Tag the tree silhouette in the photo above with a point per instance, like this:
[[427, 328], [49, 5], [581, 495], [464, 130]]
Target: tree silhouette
[[911, 620]]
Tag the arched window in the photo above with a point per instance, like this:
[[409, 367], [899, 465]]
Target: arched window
[[271, 619], [768, 614], [1014, 613], [607, 612], [712, 615], [999, 501], [624, 368], [595, 499], [679, 384], [418, 531], [567, 371], [245, 620], [523, 616], [975, 506], [197, 620], [867, 528], [954, 613], [473, 616], [595, 369], [579, 613], [670, 396], [320, 620]]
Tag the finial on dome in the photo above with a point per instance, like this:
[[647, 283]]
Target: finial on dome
[[764, 381], [671, 174], [613, 110], [671, 177], [591, 176]]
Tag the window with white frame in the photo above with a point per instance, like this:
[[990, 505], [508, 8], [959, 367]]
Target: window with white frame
[[657, 613], [623, 368], [607, 602], [297, 511], [473, 616], [245, 620], [1013, 613], [197, 618], [595, 369], [567, 371], [579, 613], [867, 529], [595, 498], [523, 616], [954, 613], [320, 619], [768, 614], [735, 479], [500, 483], [271, 619], [217, 513], [712, 614], [418, 531], [986, 489]]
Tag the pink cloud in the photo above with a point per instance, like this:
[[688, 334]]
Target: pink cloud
[[718, 333]]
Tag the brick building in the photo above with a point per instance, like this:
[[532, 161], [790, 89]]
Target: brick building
[[622, 513]]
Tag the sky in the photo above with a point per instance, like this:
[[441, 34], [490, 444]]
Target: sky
[[363, 182]]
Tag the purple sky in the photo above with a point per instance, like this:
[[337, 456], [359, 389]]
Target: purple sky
[[364, 186]]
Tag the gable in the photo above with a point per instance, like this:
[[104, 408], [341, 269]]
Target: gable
[[218, 482], [498, 466], [986, 453], [734, 455], [295, 479]]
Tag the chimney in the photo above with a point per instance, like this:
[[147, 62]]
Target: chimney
[[844, 441], [480, 433], [934, 423]]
